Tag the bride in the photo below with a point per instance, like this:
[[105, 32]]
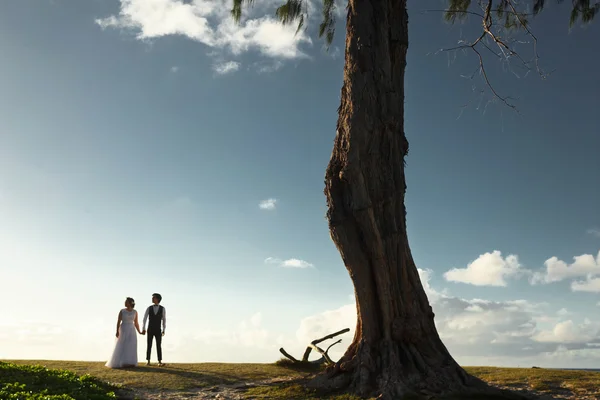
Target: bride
[[125, 353]]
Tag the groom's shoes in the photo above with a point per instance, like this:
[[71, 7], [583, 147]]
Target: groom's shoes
[[160, 364], [148, 363]]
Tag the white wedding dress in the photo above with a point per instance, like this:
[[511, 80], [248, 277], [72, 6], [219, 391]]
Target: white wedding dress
[[125, 353]]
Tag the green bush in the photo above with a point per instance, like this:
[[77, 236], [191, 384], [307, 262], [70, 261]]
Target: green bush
[[35, 382]]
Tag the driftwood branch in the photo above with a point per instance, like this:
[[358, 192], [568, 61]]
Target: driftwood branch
[[313, 346], [333, 344], [285, 353], [330, 336]]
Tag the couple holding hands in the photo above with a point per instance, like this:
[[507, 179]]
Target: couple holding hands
[[125, 352]]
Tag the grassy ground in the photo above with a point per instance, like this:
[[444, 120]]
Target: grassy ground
[[561, 384], [566, 383], [188, 377], [174, 376]]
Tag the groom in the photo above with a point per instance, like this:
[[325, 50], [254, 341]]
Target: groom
[[157, 314]]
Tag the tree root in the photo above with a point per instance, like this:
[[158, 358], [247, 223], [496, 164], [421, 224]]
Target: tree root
[[395, 375]]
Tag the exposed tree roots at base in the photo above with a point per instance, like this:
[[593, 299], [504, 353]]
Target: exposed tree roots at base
[[402, 372]]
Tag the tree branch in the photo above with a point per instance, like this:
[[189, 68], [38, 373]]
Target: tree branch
[[487, 22], [285, 353], [314, 343], [535, 40], [313, 346], [330, 336], [332, 344], [506, 51]]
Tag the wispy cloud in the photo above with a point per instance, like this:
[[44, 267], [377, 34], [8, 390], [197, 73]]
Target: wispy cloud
[[594, 232], [174, 69], [289, 263], [227, 67], [209, 22], [268, 204], [563, 312], [266, 68]]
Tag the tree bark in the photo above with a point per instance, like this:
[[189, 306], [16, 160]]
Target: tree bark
[[396, 350]]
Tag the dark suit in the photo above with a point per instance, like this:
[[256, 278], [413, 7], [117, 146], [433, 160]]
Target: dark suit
[[154, 331]]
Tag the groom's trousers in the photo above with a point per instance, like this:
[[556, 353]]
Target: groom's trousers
[[158, 336]]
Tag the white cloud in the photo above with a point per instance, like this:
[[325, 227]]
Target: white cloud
[[465, 325], [295, 263], [227, 67], [174, 69], [477, 331], [589, 285], [268, 204], [289, 263], [567, 332], [209, 22], [489, 269], [557, 270]]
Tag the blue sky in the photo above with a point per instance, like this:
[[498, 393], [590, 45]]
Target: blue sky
[[136, 149]]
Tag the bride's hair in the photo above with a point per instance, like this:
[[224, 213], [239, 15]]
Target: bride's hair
[[130, 300]]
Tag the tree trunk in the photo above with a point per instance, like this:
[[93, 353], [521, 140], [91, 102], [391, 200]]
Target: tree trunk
[[396, 350]]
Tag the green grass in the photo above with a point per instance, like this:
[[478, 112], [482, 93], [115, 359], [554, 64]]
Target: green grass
[[182, 377], [31, 382], [174, 376]]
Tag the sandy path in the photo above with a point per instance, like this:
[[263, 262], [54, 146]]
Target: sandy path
[[222, 392]]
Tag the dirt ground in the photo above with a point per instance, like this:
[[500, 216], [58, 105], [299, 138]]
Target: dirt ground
[[238, 392]]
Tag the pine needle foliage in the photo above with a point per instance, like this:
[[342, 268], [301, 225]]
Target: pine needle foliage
[[513, 15]]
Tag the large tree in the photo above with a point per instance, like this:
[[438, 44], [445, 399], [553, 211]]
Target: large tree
[[396, 350]]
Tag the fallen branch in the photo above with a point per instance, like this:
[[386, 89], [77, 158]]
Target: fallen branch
[[285, 353], [333, 344], [313, 346]]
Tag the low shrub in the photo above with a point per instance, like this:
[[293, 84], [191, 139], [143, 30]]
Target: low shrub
[[36, 382]]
